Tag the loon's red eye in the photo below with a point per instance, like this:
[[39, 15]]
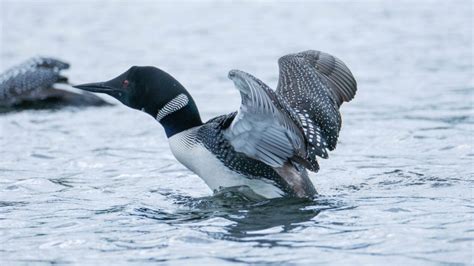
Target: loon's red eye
[[125, 83]]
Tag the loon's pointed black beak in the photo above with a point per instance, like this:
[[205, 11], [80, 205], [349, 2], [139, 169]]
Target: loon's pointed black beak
[[93, 87], [112, 87], [101, 87], [117, 87]]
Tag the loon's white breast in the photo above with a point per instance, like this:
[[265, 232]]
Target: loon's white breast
[[215, 174]]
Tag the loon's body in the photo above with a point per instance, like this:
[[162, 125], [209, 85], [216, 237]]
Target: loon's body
[[31, 85], [269, 143], [217, 171]]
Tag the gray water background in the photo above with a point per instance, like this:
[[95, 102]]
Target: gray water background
[[100, 186]]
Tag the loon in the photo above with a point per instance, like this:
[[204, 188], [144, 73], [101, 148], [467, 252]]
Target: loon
[[268, 145], [31, 85]]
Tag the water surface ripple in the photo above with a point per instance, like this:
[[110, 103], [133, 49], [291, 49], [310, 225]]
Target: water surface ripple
[[99, 185]]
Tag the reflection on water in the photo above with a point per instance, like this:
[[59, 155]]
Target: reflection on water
[[250, 218]]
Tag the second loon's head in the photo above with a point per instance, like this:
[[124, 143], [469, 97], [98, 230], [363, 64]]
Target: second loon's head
[[155, 92]]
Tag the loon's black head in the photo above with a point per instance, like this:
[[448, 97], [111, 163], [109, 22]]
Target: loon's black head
[[155, 92]]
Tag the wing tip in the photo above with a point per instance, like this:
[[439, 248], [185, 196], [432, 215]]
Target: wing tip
[[239, 74], [343, 83]]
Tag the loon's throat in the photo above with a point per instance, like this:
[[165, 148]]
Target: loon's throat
[[172, 106], [178, 115]]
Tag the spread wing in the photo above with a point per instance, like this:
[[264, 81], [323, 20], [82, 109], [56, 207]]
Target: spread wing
[[315, 84], [261, 129], [338, 78]]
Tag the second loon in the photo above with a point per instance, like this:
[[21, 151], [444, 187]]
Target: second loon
[[268, 145], [32, 85]]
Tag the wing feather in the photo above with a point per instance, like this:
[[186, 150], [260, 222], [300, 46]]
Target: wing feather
[[261, 130], [315, 84], [340, 79]]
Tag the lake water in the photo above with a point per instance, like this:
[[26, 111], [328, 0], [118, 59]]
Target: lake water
[[100, 186]]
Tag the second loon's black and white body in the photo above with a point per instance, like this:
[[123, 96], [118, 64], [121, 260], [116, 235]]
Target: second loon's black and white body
[[269, 143], [31, 84]]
